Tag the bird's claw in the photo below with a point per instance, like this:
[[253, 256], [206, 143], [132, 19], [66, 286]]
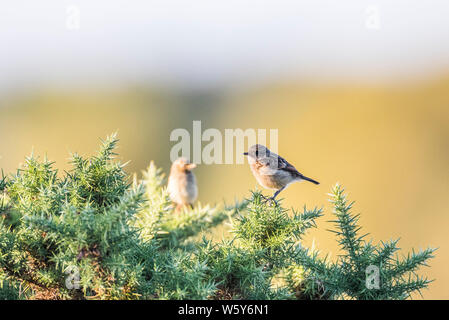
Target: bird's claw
[[270, 200]]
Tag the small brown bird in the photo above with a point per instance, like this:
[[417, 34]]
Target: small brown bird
[[182, 187], [272, 171]]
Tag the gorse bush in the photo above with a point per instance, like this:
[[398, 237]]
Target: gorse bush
[[74, 225], [347, 277], [95, 233]]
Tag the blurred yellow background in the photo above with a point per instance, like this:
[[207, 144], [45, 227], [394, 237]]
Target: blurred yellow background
[[359, 91], [388, 145]]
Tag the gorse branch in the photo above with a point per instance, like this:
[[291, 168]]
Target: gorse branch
[[347, 277]]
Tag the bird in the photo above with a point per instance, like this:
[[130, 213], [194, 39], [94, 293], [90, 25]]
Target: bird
[[272, 171], [182, 187]]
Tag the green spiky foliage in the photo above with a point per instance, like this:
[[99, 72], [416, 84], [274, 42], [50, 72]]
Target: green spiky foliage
[[95, 233], [272, 230], [192, 267], [157, 220], [350, 276], [74, 226]]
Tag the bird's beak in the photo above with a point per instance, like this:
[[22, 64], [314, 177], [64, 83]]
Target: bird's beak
[[190, 166], [245, 153]]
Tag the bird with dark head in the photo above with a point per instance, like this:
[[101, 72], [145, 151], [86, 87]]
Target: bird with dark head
[[272, 171], [182, 187]]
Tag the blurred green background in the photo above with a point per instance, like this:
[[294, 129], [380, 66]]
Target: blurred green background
[[359, 91]]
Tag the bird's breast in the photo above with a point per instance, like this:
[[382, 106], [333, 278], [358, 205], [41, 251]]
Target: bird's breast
[[182, 188], [270, 178]]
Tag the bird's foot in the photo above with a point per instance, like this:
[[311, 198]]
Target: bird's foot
[[270, 201]]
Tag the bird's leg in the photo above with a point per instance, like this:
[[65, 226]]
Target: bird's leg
[[272, 199], [277, 192], [178, 208]]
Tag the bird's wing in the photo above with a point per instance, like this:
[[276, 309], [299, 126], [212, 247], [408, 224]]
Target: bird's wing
[[286, 166]]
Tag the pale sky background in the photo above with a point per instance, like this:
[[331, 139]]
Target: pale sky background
[[202, 43]]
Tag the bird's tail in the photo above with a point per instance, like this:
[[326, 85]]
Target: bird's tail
[[308, 179]]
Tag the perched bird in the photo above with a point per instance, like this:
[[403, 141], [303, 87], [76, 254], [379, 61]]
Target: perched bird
[[272, 171], [182, 187]]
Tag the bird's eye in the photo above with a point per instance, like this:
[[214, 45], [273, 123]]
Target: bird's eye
[[257, 153]]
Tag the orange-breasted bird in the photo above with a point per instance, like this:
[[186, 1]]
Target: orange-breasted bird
[[182, 187], [272, 171]]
